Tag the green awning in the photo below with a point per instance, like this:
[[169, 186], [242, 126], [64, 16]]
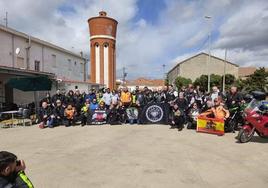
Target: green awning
[[30, 83]]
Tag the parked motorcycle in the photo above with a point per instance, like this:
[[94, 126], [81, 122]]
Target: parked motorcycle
[[236, 120], [256, 118]]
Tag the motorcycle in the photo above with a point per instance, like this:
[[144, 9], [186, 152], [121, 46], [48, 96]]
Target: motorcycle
[[236, 120], [256, 118]]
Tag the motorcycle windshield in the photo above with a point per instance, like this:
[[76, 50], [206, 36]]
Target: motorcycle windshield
[[253, 105]]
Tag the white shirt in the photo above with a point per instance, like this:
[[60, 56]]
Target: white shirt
[[107, 98]]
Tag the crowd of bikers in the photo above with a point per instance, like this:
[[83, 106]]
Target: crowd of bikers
[[183, 106]]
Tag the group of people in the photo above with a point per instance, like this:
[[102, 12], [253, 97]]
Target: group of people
[[183, 106]]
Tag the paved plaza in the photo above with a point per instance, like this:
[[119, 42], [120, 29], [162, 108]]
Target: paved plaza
[[149, 156]]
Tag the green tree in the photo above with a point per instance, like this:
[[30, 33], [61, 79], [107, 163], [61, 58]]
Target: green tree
[[215, 80], [202, 81], [229, 79], [181, 81], [258, 80]]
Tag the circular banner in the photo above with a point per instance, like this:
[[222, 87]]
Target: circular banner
[[154, 113]]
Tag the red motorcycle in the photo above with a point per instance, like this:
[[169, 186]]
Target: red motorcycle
[[256, 118]]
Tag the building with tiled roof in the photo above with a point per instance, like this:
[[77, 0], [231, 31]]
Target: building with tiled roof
[[145, 82]]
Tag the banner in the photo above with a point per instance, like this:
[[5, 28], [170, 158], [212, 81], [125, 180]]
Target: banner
[[155, 113], [210, 125]]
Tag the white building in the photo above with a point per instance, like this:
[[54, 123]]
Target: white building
[[22, 55]]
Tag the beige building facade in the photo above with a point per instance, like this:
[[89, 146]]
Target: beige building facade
[[199, 64], [22, 55]]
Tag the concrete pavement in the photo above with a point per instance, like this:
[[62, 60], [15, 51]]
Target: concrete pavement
[[149, 156]]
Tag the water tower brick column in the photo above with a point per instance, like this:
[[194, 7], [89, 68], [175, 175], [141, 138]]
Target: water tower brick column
[[103, 62]]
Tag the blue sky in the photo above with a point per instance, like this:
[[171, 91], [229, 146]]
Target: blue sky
[[151, 32]]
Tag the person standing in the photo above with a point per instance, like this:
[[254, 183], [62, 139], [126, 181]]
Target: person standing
[[115, 97], [107, 98], [233, 97], [57, 96], [126, 97], [215, 93], [141, 102]]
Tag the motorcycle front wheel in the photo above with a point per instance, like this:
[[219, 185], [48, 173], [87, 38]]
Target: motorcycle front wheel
[[245, 135]]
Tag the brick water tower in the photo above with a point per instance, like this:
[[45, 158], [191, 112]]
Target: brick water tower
[[102, 31]]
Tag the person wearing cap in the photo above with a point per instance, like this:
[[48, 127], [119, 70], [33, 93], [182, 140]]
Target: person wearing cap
[[12, 173], [58, 113]]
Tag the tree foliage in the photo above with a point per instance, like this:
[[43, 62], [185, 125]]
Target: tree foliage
[[202, 81], [257, 81], [181, 81]]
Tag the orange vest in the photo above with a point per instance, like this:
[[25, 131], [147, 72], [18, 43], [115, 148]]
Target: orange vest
[[125, 97]]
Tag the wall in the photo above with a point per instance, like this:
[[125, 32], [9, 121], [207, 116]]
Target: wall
[[42, 53], [195, 67]]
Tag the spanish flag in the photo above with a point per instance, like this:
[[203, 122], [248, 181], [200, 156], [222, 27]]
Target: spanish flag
[[210, 125]]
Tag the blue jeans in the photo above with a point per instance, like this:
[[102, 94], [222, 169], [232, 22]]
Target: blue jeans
[[50, 122]]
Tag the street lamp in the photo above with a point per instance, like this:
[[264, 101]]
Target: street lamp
[[209, 50]]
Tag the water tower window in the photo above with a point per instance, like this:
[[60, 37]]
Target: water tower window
[[106, 45]]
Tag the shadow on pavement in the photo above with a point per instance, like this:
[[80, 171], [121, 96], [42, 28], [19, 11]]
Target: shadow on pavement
[[256, 139]]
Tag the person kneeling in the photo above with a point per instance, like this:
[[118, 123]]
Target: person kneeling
[[12, 172], [218, 111], [177, 118], [44, 116], [69, 115], [85, 113], [58, 114]]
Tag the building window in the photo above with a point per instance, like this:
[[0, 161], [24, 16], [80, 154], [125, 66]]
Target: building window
[[20, 62], [69, 64], [37, 65], [75, 63], [54, 60]]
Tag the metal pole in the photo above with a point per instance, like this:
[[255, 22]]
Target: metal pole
[[164, 70], [209, 58], [6, 19], [224, 73], [209, 62]]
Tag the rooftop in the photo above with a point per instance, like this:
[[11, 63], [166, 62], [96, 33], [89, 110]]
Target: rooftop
[[37, 40], [145, 82]]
